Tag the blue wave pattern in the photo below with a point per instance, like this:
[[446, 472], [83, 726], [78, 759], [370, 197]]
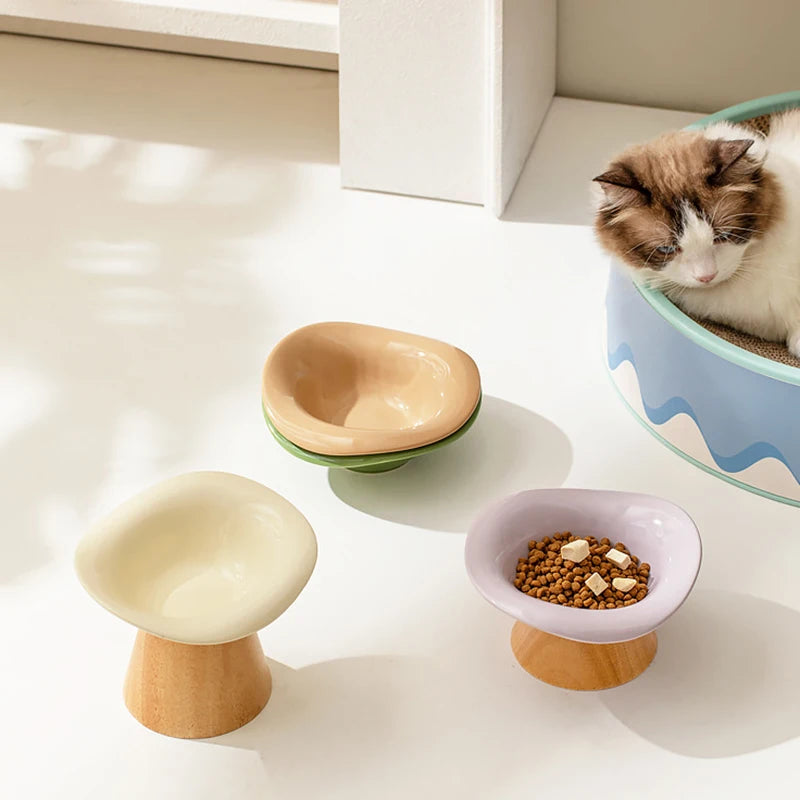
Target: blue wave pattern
[[742, 416], [677, 405]]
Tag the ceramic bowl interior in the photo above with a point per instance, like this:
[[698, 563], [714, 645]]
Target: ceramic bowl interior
[[203, 558], [657, 531], [343, 389]]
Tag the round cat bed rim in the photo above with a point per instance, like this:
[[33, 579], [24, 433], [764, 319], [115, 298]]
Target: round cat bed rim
[[685, 324], [771, 104]]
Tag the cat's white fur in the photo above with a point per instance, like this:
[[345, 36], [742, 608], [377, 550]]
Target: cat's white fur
[[754, 287]]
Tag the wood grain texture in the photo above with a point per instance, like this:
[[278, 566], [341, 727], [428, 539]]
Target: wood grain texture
[[196, 691], [577, 665]]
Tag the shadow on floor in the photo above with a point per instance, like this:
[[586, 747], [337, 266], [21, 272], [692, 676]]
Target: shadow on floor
[[576, 141], [508, 449], [127, 310], [382, 726], [724, 681]]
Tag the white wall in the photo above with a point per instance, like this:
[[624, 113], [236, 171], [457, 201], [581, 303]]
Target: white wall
[[299, 32], [697, 55], [412, 96], [522, 77]]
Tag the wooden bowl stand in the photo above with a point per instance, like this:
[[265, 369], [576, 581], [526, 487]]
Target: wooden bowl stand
[[194, 691], [577, 665]]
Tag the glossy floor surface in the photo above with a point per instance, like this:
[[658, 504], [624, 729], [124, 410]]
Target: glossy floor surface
[[165, 220]]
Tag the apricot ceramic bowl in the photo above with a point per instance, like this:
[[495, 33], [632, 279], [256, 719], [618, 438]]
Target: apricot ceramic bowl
[[343, 389], [376, 462], [198, 563], [580, 648]]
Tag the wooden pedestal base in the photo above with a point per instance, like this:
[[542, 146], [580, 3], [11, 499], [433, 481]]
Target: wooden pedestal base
[[576, 665], [195, 691]]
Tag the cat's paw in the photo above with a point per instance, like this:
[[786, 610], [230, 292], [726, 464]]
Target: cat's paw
[[793, 343]]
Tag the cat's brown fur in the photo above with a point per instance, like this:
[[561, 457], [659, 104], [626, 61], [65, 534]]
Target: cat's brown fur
[[647, 187]]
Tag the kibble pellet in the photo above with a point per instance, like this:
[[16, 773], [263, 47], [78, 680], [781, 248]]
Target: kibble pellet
[[582, 572]]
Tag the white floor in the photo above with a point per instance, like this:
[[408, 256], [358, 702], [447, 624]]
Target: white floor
[[163, 221]]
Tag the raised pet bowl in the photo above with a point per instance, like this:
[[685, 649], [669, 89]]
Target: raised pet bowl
[[198, 563], [367, 398], [579, 648], [725, 401]]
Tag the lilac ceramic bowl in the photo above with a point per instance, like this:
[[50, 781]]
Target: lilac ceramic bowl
[[657, 531]]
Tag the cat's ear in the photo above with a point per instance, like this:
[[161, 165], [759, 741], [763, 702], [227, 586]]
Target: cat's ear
[[621, 186], [726, 155]]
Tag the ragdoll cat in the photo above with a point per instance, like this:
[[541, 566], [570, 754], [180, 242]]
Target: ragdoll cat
[[712, 218]]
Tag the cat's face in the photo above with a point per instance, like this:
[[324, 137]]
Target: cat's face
[[684, 208]]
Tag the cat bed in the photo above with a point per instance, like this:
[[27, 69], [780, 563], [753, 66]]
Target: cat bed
[[724, 400]]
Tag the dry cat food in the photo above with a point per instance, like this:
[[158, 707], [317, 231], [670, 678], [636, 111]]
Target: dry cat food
[[582, 572]]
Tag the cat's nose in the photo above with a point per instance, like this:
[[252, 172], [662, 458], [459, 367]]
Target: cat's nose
[[703, 267]]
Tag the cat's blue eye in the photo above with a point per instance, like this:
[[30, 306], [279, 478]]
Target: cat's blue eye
[[723, 236], [667, 249]]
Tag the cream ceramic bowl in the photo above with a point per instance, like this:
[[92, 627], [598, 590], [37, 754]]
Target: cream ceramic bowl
[[199, 564], [202, 558], [344, 389]]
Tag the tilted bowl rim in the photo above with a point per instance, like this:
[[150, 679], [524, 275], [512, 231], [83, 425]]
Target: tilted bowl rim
[[312, 433], [483, 549], [368, 459], [257, 610]]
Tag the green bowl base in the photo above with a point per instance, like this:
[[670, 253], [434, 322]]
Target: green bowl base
[[387, 467], [371, 463]]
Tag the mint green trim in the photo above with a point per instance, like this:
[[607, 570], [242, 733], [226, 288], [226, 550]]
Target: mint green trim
[[723, 475], [751, 108], [686, 325], [373, 462]]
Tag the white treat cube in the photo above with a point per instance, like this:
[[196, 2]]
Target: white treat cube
[[596, 583], [623, 584], [622, 560], [575, 551]]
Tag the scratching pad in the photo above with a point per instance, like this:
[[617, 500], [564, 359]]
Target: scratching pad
[[775, 351], [760, 124]]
